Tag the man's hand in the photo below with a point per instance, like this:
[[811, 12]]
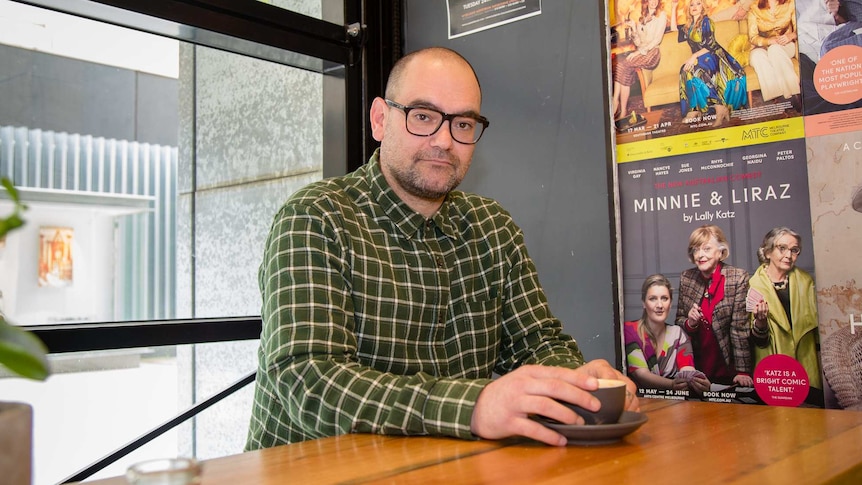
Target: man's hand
[[505, 406]]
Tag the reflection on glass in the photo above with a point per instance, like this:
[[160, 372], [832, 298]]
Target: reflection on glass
[[165, 163], [165, 160], [310, 8], [96, 402]]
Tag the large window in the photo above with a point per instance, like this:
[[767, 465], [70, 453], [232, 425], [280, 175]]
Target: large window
[[153, 141], [152, 166]]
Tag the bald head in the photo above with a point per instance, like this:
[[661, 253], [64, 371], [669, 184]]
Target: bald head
[[396, 76]]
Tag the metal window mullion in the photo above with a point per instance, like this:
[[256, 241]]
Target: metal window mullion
[[52, 158], [6, 151], [36, 143], [21, 145], [76, 162], [87, 170], [170, 208], [100, 164], [64, 159], [124, 167], [158, 234], [112, 166]]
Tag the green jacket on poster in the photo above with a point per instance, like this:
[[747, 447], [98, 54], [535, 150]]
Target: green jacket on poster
[[801, 339]]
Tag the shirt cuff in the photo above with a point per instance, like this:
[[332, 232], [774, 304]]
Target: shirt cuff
[[449, 407]]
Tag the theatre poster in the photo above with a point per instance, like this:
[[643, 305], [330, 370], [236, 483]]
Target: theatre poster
[[470, 16], [775, 162]]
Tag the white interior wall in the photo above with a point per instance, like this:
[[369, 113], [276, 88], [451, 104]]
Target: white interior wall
[[89, 297]]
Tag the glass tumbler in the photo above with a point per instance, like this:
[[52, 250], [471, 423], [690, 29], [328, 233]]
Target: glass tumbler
[[166, 471]]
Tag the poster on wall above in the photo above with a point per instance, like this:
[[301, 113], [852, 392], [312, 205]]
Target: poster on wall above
[[694, 76], [471, 16], [830, 59], [55, 256]]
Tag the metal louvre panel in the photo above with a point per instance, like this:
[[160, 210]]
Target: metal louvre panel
[[64, 166]]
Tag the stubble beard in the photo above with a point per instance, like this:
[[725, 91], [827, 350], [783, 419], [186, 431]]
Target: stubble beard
[[413, 182]]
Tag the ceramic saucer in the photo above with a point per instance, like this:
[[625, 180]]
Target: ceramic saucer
[[599, 434]]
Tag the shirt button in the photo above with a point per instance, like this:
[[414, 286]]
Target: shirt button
[[439, 262]]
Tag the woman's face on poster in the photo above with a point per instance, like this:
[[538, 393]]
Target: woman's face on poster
[[657, 303], [784, 252], [695, 8], [707, 256]]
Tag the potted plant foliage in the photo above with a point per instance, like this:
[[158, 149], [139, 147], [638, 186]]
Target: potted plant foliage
[[23, 354]]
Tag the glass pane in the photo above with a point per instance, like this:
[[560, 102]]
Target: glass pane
[[152, 169], [97, 402], [312, 8]]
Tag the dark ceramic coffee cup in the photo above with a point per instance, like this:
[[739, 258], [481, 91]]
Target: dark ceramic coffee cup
[[612, 394]]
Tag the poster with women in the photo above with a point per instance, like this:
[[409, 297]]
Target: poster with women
[[745, 192], [835, 186], [830, 58], [696, 75], [783, 192]]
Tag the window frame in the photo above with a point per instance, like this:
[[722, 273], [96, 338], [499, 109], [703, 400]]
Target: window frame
[[366, 44]]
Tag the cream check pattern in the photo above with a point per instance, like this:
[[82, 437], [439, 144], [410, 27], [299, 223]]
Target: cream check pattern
[[378, 321]]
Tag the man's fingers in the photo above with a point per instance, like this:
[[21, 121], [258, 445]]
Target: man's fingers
[[534, 430]]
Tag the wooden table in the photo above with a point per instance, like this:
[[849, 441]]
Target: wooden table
[[683, 441]]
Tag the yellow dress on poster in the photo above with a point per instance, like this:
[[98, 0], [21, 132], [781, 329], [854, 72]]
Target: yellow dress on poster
[[55, 256]]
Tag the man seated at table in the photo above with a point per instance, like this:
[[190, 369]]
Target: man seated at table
[[391, 299]]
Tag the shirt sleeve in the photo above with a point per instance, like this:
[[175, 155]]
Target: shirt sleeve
[[308, 345]]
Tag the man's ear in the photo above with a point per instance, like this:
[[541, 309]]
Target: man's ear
[[379, 111]]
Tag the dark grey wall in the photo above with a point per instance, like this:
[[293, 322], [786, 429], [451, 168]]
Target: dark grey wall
[[546, 155], [49, 92]]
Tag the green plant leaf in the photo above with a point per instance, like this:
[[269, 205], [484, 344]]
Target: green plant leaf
[[20, 351], [10, 223], [23, 353], [13, 221], [13, 193]]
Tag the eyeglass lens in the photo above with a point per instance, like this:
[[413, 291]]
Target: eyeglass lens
[[783, 249], [426, 121]]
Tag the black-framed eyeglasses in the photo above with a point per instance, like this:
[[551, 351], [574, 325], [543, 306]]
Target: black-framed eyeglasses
[[422, 121]]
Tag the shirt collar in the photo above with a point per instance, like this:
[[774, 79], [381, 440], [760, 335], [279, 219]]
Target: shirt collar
[[408, 221]]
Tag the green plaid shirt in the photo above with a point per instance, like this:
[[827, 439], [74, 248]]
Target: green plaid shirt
[[376, 320]]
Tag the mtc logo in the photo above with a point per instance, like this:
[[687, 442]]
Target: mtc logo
[[755, 133]]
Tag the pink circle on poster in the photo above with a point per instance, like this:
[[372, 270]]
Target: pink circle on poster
[[780, 380], [838, 75]]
